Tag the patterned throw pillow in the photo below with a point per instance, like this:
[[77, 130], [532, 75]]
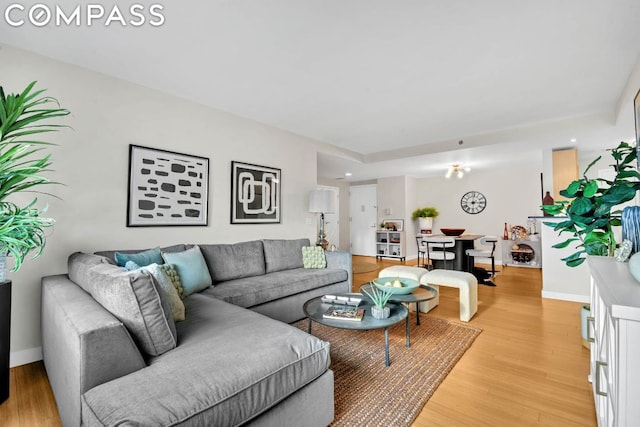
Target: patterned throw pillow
[[168, 289], [171, 271], [313, 257]]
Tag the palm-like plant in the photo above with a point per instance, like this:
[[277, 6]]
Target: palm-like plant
[[24, 116]]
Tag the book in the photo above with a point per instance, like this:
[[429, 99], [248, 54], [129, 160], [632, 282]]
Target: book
[[344, 313]]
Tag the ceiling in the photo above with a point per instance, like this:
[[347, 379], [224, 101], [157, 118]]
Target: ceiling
[[392, 87]]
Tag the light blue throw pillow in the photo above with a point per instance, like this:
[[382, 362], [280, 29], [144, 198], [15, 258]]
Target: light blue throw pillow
[[144, 258], [191, 268]]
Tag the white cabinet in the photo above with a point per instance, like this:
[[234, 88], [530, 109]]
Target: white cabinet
[[614, 329], [390, 244]]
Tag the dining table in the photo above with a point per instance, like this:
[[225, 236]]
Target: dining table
[[462, 243]]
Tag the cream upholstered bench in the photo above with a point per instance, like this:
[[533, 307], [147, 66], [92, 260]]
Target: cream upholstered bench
[[466, 282], [415, 273]]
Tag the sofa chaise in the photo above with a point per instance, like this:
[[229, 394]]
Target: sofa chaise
[[115, 355]]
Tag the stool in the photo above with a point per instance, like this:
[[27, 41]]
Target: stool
[[466, 282], [415, 273]]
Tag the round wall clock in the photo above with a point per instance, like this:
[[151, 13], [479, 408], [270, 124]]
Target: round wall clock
[[473, 202]]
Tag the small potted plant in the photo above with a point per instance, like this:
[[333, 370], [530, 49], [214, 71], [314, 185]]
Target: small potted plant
[[425, 217], [380, 298]]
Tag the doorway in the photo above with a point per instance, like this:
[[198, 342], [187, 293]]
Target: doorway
[[363, 217], [332, 220]]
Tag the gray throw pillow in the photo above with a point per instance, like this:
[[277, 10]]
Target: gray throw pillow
[[135, 298]]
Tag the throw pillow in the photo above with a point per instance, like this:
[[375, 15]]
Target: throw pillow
[[169, 291], [135, 298], [172, 273], [313, 257], [192, 269], [143, 258]]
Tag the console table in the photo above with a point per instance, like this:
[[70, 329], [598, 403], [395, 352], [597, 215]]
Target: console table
[[614, 332]]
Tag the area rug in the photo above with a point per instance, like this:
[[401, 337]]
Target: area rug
[[369, 394], [363, 267]]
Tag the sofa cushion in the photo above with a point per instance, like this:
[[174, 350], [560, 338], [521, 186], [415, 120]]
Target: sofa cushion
[[144, 258], [215, 376], [192, 269], [111, 254], [251, 291], [283, 254], [228, 262], [313, 257], [78, 265], [135, 298]]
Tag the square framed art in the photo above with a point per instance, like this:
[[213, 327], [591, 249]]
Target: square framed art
[[255, 194], [166, 188]]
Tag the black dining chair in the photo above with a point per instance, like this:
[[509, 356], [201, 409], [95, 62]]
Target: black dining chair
[[437, 250]]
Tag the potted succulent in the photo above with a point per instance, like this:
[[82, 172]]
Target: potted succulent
[[589, 208], [380, 298], [23, 117], [425, 217]]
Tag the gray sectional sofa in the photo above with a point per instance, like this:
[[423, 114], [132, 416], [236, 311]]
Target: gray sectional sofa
[[234, 360]]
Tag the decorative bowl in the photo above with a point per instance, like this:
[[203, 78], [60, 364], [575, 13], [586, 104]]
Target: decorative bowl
[[408, 285], [452, 231]]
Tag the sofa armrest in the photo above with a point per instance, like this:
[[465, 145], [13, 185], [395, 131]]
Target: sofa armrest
[[338, 259], [82, 343]]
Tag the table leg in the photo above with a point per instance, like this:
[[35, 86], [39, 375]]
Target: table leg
[[418, 313], [386, 346], [408, 331], [309, 328]]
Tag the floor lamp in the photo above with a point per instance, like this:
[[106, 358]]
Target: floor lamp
[[322, 202]]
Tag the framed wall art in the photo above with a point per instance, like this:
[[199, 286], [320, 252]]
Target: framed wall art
[[255, 194], [166, 188]]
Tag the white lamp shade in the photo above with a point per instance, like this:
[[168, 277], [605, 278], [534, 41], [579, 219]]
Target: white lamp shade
[[322, 201]]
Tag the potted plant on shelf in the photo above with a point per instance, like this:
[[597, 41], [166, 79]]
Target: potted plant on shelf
[[380, 298], [425, 218], [23, 117], [590, 217]]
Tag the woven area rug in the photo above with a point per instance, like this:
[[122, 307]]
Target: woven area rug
[[363, 267], [369, 394]]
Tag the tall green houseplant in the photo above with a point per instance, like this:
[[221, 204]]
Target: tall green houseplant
[[24, 117], [590, 207]]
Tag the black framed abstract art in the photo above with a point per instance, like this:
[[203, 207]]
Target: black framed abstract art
[[255, 194], [166, 188]]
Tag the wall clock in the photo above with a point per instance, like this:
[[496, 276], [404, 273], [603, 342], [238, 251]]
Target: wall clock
[[473, 202]]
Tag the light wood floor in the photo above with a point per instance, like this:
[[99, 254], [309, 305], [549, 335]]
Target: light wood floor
[[527, 367]]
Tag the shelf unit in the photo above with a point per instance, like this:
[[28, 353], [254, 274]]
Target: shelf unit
[[528, 254], [613, 329], [390, 244]]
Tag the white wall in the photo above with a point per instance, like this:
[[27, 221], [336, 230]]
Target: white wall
[[512, 195], [92, 161]]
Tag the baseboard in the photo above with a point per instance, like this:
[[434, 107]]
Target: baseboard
[[30, 355], [566, 297]]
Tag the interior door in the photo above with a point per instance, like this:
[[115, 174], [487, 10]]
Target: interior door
[[363, 214], [331, 220]]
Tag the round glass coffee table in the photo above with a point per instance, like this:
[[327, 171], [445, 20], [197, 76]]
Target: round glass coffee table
[[315, 308], [420, 294]]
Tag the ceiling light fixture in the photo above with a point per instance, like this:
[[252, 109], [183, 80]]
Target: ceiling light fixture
[[457, 169], [348, 174]]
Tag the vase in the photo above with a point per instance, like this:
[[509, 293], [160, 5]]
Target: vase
[[5, 337], [426, 225], [547, 200], [380, 313], [631, 226]]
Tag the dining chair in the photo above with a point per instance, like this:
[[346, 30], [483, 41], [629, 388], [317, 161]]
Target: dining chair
[[422, 251], [484, 253], [437, 250]]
